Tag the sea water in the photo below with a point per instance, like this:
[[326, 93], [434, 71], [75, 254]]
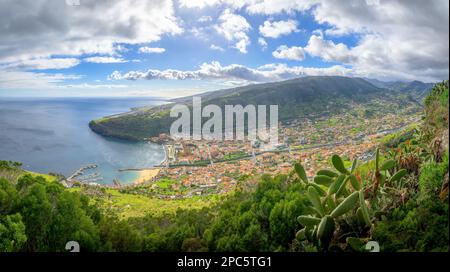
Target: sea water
[[52, 135]]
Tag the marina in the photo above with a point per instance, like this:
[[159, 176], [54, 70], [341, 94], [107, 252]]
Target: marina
[[81, 171]]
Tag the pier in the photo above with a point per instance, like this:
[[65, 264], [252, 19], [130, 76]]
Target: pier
[[81, 171], [117, 183]]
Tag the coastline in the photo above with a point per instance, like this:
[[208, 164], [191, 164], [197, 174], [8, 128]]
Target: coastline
[[146, 175], [166, 156], [149, 174]]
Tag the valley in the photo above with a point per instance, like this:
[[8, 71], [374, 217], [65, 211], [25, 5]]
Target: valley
[[203, 168]]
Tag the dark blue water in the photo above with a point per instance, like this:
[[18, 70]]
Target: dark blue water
[[52, 135]]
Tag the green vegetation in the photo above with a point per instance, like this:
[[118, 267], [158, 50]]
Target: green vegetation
[[422, 222], [263, 220], [234, 156], [12, 171], [436, 110], [302, 97], [137, 201], [340, 214], [131, 205], [399, 199]]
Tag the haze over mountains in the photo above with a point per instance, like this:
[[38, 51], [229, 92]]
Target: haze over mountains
[[416, 88], [297, 98]]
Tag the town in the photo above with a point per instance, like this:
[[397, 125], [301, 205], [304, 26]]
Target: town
[[201, 167]]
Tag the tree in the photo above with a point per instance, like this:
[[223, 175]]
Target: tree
[[8, 197], [119, 236], [12, 233]]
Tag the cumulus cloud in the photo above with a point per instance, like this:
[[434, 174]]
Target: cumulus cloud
[[34, 34], [156, 50], [236, 4], [414, 31], [232, 73], [94, 86], [271, 29], [205, 19], [277, 6], [216, 47], [198, 3], [394, 39], [397, 39], [234, 28], [328, 50], [46, 28], [289, 53], [11, 79], [42, 64], [376, 57], [252, 6], [104, 60], [262, 43]]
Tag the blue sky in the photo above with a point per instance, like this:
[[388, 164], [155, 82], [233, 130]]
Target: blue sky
[[175, 48]]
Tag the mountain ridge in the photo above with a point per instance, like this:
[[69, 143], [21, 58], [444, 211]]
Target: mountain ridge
[[297, 98]]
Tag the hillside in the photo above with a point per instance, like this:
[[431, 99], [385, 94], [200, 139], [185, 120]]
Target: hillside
[[399, 199], [302, 97], [416, 89]]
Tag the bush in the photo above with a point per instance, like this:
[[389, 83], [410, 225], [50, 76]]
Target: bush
[[419, 225], [432, 176]]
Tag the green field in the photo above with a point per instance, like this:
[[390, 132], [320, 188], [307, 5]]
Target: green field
[[131, 205]]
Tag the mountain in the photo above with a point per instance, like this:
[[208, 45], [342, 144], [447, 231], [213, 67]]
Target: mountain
[[417, 89], [302, 97]]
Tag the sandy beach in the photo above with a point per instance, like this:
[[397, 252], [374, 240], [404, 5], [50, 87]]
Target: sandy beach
[[146, 175]]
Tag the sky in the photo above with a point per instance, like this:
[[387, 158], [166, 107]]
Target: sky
[[167, 48]]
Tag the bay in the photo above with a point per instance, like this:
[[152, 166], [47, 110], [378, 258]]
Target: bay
[[52, 135]]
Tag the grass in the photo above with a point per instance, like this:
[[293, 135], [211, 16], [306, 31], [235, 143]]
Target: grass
[[235, 155], [400, 136], [165, 183], [14, 175], [48, 178], [130, 205]]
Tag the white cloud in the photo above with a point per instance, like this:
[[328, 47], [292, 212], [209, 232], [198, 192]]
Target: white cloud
[[262, 43], [42, 64], [289, 53], [93, 86], [234, 28], [45, 28], [394, 39], [271, 29], [216, 47], [12, 79], [156, 50], [205, 19], [369, 59], [278, 6], [104, 60], [236, 4], [328, 50], [407, 39], [398, 39], [241, 45], [232, 73], [252, 6], [198, 3], [35, 34]]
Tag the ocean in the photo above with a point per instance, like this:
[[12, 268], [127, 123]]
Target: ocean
[[52, 135]]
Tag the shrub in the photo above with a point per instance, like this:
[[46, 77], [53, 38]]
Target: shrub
[[431, 177]]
